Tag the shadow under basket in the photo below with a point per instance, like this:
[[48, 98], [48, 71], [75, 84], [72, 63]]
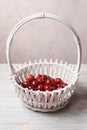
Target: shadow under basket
[[45, 101]]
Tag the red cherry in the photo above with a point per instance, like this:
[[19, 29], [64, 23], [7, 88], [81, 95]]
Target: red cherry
[[45, 77], [52, 82], [53, 88], [57, 80], [31, 78], [40, 87], [52, 79], [48, 77], [46, 87], [29, 87], [59, 86], [48, 82], [28, 82], [64, 85], [23, 84], [34, 83], [41, 78]]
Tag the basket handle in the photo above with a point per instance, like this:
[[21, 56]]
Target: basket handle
[[37, 16]]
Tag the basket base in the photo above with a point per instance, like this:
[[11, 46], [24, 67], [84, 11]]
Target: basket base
[[47, 110]]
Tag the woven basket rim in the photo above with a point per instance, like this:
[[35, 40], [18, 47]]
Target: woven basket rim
[[48, 62]]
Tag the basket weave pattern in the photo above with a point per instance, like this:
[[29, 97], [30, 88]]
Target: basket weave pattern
[[49, 100]]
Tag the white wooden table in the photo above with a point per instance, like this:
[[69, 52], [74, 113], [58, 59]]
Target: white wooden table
[[13, 114]]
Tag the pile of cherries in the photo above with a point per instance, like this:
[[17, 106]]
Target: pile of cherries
[[43, 83]]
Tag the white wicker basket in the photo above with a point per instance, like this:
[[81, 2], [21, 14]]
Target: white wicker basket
[[49, 100]]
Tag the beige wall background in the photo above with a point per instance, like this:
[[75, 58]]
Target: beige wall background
[[43, 38]]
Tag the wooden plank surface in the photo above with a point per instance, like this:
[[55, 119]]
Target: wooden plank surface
[[13, 114]]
